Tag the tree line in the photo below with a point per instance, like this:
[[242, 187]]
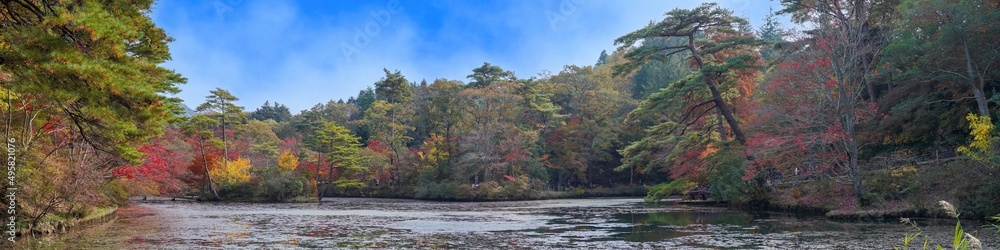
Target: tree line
[[876, 100]]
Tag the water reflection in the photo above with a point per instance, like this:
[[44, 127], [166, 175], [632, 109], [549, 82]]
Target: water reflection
[[389, 223]]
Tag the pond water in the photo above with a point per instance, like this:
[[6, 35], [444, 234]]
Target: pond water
[[397, 223]]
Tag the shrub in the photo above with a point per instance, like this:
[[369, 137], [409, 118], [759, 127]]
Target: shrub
[[894, 183], [279, 184], [438, 191], [983, 201], [662, 190], [726, 177], [116, 191], [240, 191]]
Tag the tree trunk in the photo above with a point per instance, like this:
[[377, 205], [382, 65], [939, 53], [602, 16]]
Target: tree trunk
[[854, 171], [329, 177], [631, 174], [977, 91], [734, 125], [225, 142], [319, 193], [720, 104], [722, 126], [208, 172]]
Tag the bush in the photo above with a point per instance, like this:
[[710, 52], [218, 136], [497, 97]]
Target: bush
[[726, 176], [116, 191], [276, 184], [662, 190], [238, 191], [984, 201], [519, 189], [438, 191], [892, 184]]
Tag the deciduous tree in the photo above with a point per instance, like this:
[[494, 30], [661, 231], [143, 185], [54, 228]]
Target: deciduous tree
[[388, 123]]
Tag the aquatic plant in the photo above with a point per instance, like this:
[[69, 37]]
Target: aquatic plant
[[961, 239]]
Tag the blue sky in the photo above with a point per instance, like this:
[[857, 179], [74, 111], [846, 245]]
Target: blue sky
[[300, 53]]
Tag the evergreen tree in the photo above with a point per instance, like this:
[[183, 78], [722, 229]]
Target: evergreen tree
[[489, 74], [220, 106], [393, 88], [276, 112]]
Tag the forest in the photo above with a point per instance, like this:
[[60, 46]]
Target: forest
[[872, 108]]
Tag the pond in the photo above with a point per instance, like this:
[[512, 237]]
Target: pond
[[398, 223]]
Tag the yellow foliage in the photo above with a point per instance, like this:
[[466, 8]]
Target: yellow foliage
[[981, 148], [901, 172], [236, 172], [709, 150], [288, 161], [432, 152], [981, 127]]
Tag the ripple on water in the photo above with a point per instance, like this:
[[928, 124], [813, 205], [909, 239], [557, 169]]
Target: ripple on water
[[398, 223]]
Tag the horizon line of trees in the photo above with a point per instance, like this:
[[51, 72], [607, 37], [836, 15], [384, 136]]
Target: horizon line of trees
[[873, 89]]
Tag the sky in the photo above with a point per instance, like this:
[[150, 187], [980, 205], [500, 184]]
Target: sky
[[300, 53]]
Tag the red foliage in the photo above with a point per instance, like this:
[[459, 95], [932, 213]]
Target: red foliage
[[688, 164], [238, 145], [509, 178], [317, 168], [166, 158], [378, 146], [197, 165], [800, 119], [290, 144]]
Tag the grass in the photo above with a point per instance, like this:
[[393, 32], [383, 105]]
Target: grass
[[55, 222]]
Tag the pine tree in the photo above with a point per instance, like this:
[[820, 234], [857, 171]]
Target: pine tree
[[220, 106]]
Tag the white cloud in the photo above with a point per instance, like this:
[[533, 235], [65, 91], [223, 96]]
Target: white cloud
[[286, 53]]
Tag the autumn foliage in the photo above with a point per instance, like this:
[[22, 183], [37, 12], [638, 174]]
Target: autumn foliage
[[233, 173], [288, 161]]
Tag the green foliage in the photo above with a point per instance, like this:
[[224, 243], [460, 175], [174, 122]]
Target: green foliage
[[982, 201], [365, 99], [94, 65], [276, 112], [339, 144], [996, 219], [220, 105], [663, 190], [279, 184], [116, 191], [726, 176], [263, 142], [488, 74], [679, 119], [602, 59], [771, 32], [393, 88], [893, 183], [238, 191], [388, 122], [656, 75], [960, 239], [438, 191], [955, 42], [349, 184]]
